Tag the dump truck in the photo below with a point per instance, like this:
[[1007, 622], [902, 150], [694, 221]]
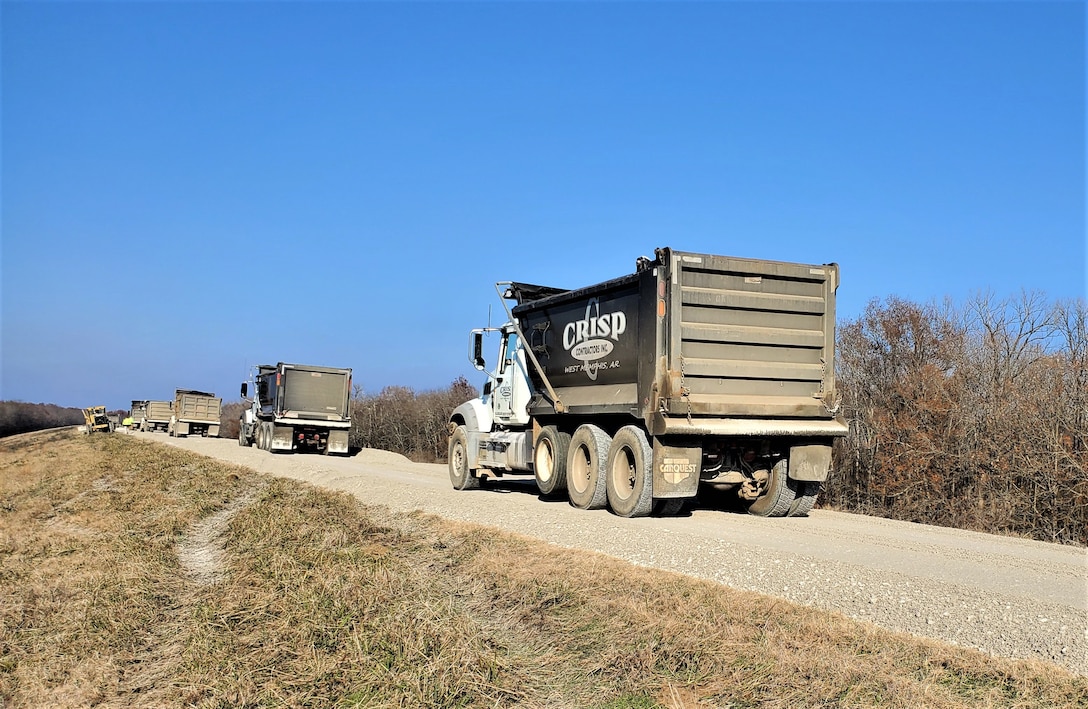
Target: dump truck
[[297, 407], [157, 416], [196, 413], [96, 420], [137, 414], [695, 371]]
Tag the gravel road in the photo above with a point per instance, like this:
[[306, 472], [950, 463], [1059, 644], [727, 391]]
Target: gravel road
[[1009, 597]]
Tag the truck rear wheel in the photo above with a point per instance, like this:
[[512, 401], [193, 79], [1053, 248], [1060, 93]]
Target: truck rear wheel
[[460, 475], [778, 495], [629, 477], [586, 460], [550, 460], [806, 498]]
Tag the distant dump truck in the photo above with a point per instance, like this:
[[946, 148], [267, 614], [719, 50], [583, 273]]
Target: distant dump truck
[[196, 413], [297, 406], [137, 414], [695, 369], [96, 420], [157, 415]]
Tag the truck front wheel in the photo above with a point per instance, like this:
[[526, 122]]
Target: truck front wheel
[[550, 460], [242, 433], [586, 462], [629, 481], [460, 475]]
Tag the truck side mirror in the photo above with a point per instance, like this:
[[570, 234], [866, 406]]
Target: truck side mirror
[[245, 390], [478, 351]]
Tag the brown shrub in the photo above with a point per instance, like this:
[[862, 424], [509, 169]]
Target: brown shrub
[[971, 417]]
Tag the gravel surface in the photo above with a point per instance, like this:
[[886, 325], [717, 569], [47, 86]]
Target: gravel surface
[[1008, 597]]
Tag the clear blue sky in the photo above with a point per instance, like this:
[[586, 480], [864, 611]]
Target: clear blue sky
[[191, 188]]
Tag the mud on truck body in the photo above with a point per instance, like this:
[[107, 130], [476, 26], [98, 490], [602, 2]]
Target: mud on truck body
[[297, 406], [696, 370]]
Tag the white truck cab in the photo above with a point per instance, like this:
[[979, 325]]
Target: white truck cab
[[493, 433]]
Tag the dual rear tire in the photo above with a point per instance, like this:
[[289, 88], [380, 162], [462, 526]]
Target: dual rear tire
[[263, 436], [599, 470], [784, 496], [629, 482], [586, 465]]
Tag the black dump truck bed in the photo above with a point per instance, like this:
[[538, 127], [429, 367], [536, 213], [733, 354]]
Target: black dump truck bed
[[691, 344], [305, 391]]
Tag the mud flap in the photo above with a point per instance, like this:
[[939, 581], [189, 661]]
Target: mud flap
[[810, 463], [283, 438], [676, 470], [338, 442]]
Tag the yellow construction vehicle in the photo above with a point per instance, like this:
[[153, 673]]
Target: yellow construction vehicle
[[97, 420]]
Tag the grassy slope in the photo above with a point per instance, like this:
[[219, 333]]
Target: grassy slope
[[322, 601]]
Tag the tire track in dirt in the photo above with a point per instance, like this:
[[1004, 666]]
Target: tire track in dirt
[[201, 551], [201, 554]]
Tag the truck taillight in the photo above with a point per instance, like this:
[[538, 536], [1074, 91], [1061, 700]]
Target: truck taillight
[[661, 299]]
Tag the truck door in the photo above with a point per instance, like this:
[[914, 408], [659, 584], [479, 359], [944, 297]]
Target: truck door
[[506, 370], [512, 388]]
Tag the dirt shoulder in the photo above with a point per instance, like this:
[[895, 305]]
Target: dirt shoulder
[[1009, 597]]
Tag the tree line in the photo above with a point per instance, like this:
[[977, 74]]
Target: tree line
[[972, 416], [21, 417]]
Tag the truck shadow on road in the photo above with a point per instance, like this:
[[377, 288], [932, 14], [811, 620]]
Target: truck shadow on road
[[707, 500]]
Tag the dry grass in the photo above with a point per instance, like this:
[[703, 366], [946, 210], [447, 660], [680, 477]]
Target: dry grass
[[321, 601]]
